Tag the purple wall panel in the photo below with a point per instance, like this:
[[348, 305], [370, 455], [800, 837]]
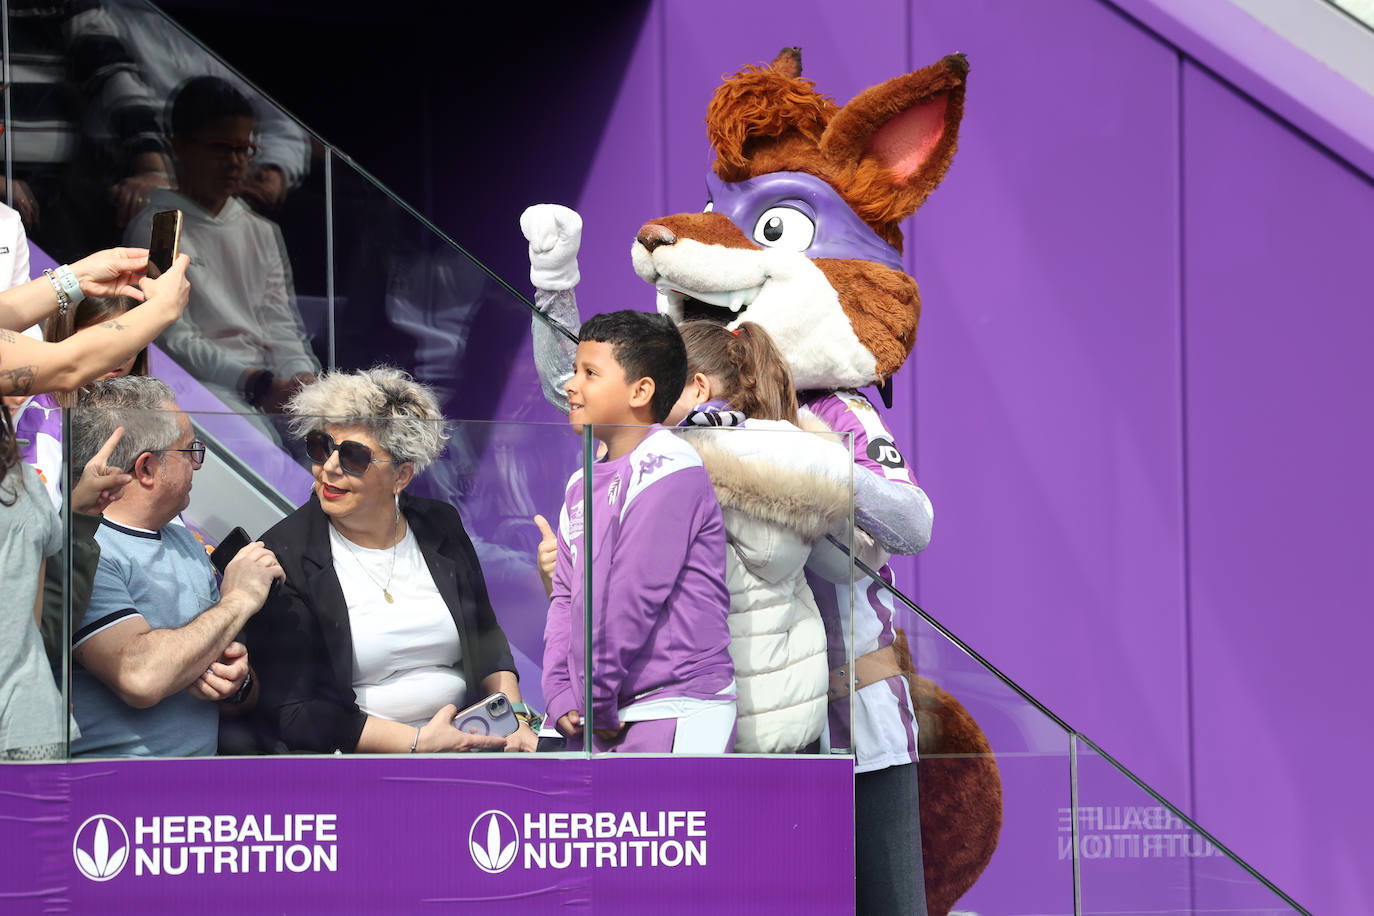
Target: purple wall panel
[[624, 183], [1278, 325], [1047, 370], [845, 49]]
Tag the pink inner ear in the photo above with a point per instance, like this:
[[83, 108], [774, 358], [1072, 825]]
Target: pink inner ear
[[904, 143]]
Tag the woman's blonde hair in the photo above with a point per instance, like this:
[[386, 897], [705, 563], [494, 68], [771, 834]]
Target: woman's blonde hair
[[399, 412], [752, 374]]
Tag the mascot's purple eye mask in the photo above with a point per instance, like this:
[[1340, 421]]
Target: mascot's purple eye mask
[[758, 206]]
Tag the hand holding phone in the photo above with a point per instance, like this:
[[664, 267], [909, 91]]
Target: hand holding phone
[[233, 542], [492, 716], [228, 548], [165, 243]]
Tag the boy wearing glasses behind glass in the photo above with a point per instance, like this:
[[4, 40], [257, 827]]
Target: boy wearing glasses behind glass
[[241, 336], [157, 656]]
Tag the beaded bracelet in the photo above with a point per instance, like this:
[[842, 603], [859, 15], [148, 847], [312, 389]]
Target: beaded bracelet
[[64, 301]]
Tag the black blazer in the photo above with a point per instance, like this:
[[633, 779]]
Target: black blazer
[[300, 643]]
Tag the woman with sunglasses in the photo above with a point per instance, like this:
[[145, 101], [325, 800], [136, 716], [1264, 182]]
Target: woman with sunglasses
[[383, 629]]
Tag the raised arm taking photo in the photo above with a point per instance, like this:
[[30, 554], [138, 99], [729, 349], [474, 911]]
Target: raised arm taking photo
[[30, 366]]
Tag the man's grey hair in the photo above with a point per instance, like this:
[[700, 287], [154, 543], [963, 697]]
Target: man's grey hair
[[399, 412], [137, 403]]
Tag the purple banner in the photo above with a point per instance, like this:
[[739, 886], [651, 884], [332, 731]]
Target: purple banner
[[513, 834]]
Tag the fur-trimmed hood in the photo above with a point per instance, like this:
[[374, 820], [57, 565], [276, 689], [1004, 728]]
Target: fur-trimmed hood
[[770, 470]]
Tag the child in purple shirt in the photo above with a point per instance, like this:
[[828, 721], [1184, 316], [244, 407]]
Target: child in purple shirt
[[661, 676]]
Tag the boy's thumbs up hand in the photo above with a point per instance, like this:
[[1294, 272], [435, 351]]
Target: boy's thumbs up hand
[[548, 552]]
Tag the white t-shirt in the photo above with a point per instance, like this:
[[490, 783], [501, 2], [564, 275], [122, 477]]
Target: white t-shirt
[[406, 655], [14, 249]]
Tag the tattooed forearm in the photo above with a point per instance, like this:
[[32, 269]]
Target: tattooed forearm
[[17, 381], [113, 325], [7, 336]]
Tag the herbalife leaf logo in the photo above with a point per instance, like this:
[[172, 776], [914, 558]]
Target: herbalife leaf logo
[[100, 847], [493, 841]]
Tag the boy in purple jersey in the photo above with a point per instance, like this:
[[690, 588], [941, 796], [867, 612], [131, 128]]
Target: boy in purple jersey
[[661, 675]]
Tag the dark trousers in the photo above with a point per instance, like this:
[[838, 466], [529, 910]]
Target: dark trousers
[[887, 844]]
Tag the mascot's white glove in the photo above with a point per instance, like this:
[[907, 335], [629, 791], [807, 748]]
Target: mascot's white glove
[[555, 235]]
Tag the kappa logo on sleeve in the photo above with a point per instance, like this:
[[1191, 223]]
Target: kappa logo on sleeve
[[884, 451], [650, 464]]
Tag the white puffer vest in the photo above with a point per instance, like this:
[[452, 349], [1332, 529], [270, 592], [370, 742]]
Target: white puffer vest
[[780, 491]]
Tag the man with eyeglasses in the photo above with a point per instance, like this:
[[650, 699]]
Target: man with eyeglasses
[[157, 656], [242, 336]]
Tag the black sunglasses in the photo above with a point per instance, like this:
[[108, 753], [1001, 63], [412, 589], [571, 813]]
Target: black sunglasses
[[354, 457]]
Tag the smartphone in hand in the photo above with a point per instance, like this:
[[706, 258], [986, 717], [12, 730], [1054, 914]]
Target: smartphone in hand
[[165, 244], [233, 542], [492, 716], [228, 548]]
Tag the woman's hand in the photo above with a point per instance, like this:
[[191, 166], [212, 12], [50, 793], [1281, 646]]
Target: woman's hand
[[171, 286], [100, 484], [112, 272], [547, 553], [523, 740], [440, 737]]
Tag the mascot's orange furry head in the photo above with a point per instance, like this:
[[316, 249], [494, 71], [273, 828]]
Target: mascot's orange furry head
[[802, 234]]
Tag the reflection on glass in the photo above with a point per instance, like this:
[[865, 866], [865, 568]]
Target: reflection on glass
[[406, 296], [166, 57], [1138, 853], [84, 125], [994, 772], [241, 335]]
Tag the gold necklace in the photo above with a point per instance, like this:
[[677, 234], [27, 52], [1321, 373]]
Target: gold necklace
[[357, 559]]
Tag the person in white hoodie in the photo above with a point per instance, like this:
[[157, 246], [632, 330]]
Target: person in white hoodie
[[242, 336], [781, 490]]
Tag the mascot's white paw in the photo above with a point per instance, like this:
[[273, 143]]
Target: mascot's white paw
[[555, 235]]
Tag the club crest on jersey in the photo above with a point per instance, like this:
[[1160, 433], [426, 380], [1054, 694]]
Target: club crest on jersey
[[613, 493]]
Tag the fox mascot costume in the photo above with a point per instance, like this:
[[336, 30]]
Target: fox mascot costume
[[802, 235]]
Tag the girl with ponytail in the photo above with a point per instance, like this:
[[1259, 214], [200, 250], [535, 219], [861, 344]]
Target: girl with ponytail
[[781, 491]]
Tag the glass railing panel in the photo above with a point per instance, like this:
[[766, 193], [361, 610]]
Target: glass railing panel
[[1139, 853], [705, 636], [995, 778], [115, 115], [325, 649], [407, 296], [1362, 11]]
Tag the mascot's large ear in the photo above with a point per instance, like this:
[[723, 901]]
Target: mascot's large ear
[[895, 140]]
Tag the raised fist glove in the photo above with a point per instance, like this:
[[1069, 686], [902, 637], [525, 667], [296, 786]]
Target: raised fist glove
[[555, 234]]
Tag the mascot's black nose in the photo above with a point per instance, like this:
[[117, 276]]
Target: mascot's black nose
[[651, 235]]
